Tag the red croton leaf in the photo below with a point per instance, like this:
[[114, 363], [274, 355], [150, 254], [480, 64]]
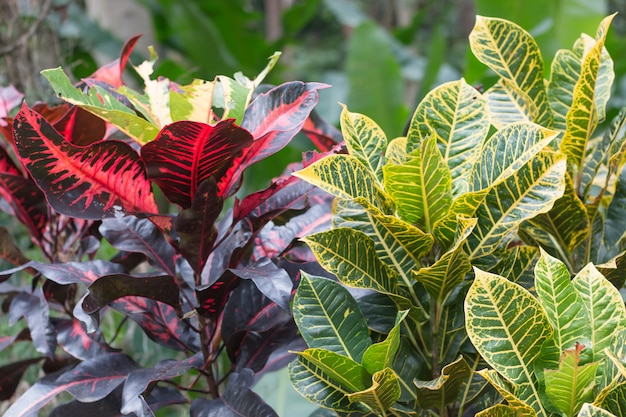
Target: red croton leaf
[[27, 201], [186, 153], [111, 73], [101, 180]]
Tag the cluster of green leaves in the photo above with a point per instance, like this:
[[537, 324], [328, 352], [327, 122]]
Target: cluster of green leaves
[[480, 180]]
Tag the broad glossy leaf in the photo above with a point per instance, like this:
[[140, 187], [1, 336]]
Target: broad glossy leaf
[[346, 177], [236, 96], [501, 410], [72, 272], [507, 150], [102, 180], [564, 227], [9, 250], [35, 310], [381, 355], [590, 410], [615, 226], [365, 140], [532, 190], [615, 401], [351, 256], [324, 135], [564, 74], [396, 151], [27, 202], [562, 303], [103, 104], [604, 305], [383, 393], [72, 336], [457, 115], [518, 265], [508, 327], [272, 281], [89, 381], [132, 234], [326, 378], [513, 54], [572, 384], [508, 392], [582, 118], [398, 244], [192, 101], [186, 153], [463, 208], [11, 374], [508, 104], [421, 188], [329, 318], [444, 389]]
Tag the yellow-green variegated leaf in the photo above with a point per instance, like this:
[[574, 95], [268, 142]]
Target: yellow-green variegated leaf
[[582, 118], [615, 369], [564, 227], [462, 209], [457, 115], [507, 326], [351, 256], [329, 317], [235, 96], [572, 384], [421, 188], [530, 191], [397, 243], [365, 140], [346, 177], [615, 225], [507, 390], [444, 389], [604, 306], [192, 101], [590, 410], [507, 150], [447, 272], [502, 410], [383, 393], [508, 104], [564, 75], [615, 400], [618, 143], [562, 303], [518, 265], [382, 354], [327, 379], [396, 151], [513, 54]]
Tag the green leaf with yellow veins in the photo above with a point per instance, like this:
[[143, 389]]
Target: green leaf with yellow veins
[[421, 188], [590, 410], [444, 389], [512, 53], [365, 140], [396, 151], [346, 177], [383, 393], [508, 104]]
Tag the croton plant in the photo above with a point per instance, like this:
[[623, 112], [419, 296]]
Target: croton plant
[[203, 271]]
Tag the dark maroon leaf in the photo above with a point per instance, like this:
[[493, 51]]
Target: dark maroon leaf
[[34, 309], [27, 201], [186, 153], [6, 341], [132, 234], [238, 400], [61, 294], [70, 272], [109, 288], [139, 380], [254, 349], [111, 73], [11, 375], [9, 251], [89, 381], [101, 180], [7, 166], [324, 135], [220, 259], [272, 281], [211, 300], [74, 339], [249, 310], [160, 322], [110, 405], [196, 225], [80, 127]]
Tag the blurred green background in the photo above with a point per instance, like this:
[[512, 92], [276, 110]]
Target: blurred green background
[[379, 56]]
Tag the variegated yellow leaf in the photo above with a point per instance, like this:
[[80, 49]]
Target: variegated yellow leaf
[[508, 104], [396, 151]]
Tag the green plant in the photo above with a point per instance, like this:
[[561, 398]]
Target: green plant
[[480, 180]]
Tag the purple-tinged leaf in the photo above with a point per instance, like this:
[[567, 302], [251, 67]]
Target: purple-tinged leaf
[[102, 180], [110, 405], [11, 375], [139, 380], [196, 225], [323, 135], [27, 202], [109, 288], [249, 310], [89, 381], [34, 309], [6, 341], [211, 300], [272, 281], [253, 349], [238, 400], [186, 153], [9, 251], [69, 272], [220, 258], [10, 98], [160, 322], [74, 339], [132, 234]]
